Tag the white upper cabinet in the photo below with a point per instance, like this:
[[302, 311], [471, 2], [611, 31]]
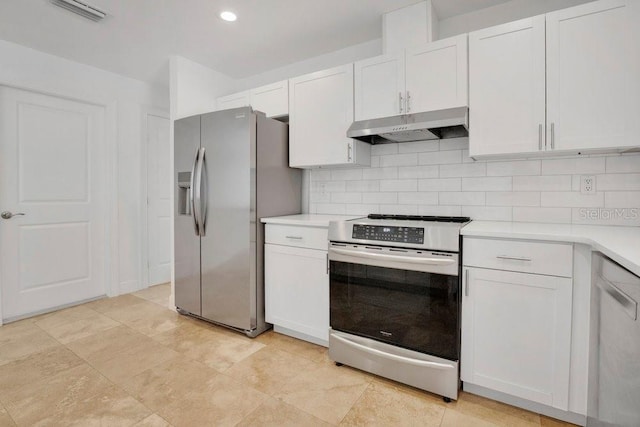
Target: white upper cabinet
[[426, 78], [436, 75], [379, 87], [272, 99], [506, 88], [321, 111], [235, 100], [593, 76], [565, 82]]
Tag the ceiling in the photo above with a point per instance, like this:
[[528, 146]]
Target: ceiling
[[138, 36]]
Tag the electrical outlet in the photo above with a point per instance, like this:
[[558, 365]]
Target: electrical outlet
[[323, 188], [587, 184]]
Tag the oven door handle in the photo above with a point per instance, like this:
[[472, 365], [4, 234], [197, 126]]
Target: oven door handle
[[395, 357], [385, 257]]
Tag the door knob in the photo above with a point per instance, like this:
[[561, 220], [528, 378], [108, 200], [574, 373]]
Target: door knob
[[9, 215]]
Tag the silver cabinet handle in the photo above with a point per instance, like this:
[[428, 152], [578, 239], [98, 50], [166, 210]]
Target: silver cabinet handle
[[408, 102], [294, 237], [630, 305], [9, 215], [196, 228], [400, 101], [395, 357], [327, 262], [349, 149], [540, 136], [466, 283], [514, 258], [553, 136]]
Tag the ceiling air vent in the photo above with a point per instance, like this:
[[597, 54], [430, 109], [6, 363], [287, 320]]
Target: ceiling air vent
[[81, 8]]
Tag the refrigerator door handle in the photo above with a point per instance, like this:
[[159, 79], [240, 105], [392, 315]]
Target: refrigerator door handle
[[197, 192], [203, 191], [192, 199]]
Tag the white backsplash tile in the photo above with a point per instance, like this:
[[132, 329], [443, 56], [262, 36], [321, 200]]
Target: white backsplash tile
[[386, 198], [346, 197], [550, 215], [440, 184], [542, 183], [447, 182], [516, 167], [399, 160], [440, 158], [412, 198], [488, 213], [379, 173], [573, 165], [623, 164], [363, 186], [620, 199], [431, 171], [513, 198], [462, 198], [399, 185], [463, 170], [502, 183], [346, 174]]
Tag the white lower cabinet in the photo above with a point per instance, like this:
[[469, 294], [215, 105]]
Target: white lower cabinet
[[297, 291], [516, 334]]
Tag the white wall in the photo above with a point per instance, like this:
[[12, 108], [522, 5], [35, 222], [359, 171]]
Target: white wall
[[438, 178], [333, 59], [500, 14], [194, 87], [124, 99]]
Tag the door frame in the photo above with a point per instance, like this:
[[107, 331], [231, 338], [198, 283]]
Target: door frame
[[147, 111], [110, 177]]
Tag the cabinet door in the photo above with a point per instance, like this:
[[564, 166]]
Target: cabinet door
[[235, 100], [507, 88], [436, 75], [321, 111], [593, 64], [516, 334], [379, 87], [297, 290], [273, 99]]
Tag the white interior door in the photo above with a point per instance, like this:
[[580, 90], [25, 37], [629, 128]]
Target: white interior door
[[159, 204], [52, 167]]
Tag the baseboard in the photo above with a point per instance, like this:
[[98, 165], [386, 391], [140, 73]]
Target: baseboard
[[300, 336], [49, 310], [129, 286], [538, 408]]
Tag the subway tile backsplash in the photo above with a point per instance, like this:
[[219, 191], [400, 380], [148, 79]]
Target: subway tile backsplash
[[438, 178]]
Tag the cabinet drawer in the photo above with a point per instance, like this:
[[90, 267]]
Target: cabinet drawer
[[292, 235], [554, 259]]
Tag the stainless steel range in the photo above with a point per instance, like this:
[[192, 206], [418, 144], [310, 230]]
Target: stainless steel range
[[395, 298]]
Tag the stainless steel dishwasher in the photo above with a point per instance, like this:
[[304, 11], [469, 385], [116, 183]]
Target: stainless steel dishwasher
[[614, 357]]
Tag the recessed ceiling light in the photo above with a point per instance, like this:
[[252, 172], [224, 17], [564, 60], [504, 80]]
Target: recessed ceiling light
[[228, 16]]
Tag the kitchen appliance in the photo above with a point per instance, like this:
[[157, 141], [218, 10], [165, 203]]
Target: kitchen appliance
[[231, 169], [395, 298], [614, 356], [440, 124]]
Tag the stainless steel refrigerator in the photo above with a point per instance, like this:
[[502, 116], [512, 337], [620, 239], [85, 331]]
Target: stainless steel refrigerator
[[231, 169]]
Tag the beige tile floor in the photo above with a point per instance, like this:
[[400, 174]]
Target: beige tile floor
[[131, 361]]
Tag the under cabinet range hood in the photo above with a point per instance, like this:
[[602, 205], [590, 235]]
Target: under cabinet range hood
[[441, 124]]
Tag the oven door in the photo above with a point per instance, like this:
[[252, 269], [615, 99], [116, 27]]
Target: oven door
[[404, 297]]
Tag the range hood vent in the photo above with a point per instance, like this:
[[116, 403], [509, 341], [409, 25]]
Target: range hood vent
[[81, 8], [441, 124]]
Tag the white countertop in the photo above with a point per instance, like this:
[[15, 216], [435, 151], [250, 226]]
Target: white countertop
[[621, 244], [308, 220]]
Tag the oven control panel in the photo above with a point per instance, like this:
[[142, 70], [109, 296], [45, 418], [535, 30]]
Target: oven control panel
[[388, 234]]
